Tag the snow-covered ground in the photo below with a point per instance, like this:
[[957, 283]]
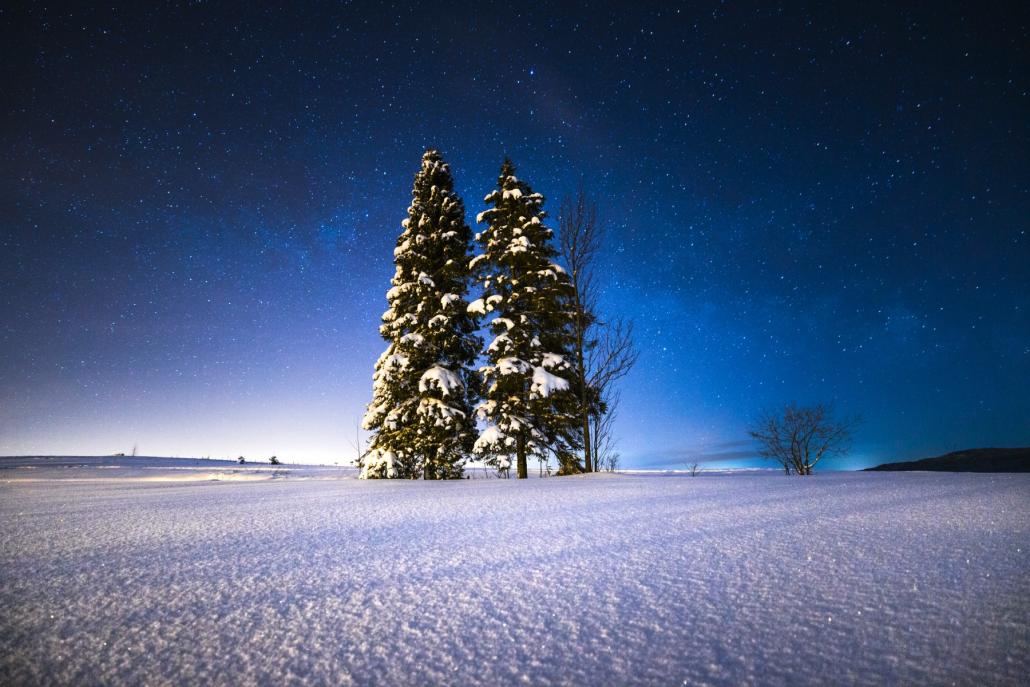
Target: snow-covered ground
[[862, 578], [147, 469]]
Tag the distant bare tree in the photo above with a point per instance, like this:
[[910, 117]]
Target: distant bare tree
[[799, 437], [694, 468], [604, 350]]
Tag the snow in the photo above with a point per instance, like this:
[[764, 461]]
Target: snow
[[440, 413], [413, 339], [379, 459], [859, 578], [500, 344], [553, 361], [519, 244], [477, 307], [544, 383], [438, 321], [441, 378], [510, 365], [448, 298], [389, 361], [490, 439]]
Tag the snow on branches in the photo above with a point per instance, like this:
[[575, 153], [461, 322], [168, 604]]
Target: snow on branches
[[424, 387], [527, 405]]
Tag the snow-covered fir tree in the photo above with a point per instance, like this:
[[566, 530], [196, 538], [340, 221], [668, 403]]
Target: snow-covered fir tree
[[424, 385], [528, 403]]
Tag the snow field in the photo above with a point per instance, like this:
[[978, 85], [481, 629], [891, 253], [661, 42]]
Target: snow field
[[894, 578]]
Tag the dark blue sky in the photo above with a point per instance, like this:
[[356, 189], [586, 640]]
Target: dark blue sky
[[198, 205]]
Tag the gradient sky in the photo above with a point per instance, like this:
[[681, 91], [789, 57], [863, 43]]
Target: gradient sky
[[199, 201]]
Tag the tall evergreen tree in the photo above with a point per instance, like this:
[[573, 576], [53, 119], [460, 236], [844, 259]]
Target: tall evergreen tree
[[529, 404], [424, 387]]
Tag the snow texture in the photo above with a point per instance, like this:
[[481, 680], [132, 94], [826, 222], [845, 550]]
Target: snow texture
[[491, 438], [510, 366], [723, 580], [545, 383], [378, 459], [553, 361], [441, 378]]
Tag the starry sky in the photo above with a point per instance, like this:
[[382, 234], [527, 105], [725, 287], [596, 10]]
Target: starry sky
[[199, 201]]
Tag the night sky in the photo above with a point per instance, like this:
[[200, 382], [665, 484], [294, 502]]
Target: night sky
[[199, 202]]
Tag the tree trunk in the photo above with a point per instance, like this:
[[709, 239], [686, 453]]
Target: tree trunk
[[587, 448], [520, 456], [584, 407], [595, 440], [427, 471]]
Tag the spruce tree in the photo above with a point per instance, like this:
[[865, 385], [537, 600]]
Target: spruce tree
[[424, 387], [528, 401]]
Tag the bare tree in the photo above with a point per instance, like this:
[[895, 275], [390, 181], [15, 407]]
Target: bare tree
[[581, 236], [359, 446], [602, 434], [604, 350], [610, 358], [799, 437], [694, 468]]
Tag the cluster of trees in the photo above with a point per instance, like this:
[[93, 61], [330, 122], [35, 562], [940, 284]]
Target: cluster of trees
[[547, 383]]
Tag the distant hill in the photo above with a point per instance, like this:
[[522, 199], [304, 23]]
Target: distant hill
[[969, 460]]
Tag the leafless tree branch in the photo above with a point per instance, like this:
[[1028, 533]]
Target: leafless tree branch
[[604, 349], [799, 437]]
